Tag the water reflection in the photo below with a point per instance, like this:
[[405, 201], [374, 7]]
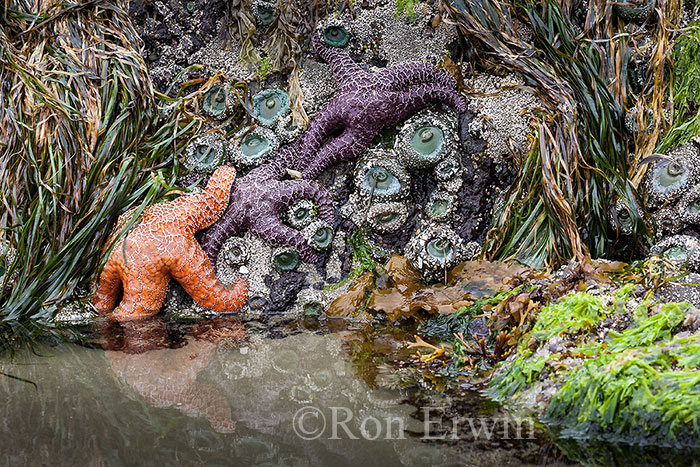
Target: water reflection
[[164, 372]]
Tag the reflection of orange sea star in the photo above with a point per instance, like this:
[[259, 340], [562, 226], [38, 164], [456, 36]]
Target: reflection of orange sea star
[[162, 246], [167, 377]]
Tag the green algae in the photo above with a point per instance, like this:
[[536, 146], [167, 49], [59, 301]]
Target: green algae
[[406, 7], [573, 314], [641, 385]]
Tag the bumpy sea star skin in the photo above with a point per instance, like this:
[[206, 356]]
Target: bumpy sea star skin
[[162, 246], [367, 102]]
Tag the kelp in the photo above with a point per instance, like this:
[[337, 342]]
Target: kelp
[[398, 291], [84, 138], [577, 164]]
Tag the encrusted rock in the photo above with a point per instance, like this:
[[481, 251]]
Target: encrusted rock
[[682, 250]]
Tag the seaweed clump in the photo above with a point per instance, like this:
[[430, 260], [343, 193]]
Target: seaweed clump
[[83, 138], [640, 385]]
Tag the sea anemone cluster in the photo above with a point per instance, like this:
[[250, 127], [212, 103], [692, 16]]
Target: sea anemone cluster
[[673, 200]]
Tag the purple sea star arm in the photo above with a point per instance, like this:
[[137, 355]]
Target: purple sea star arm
[[305, 189], [417, 73], [345, 147], [426, 94], [345, 70], [275, 233]]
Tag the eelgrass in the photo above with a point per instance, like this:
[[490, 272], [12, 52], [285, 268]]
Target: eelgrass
[[577, 164], [686, 90], [83, 138]]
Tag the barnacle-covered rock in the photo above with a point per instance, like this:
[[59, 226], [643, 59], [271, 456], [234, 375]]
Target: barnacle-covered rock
[[318, 235], [441, 206], [235, 252], [287, 130], [667, 221], [264, 12], [682, 250], [7, 256], [435, 250], [270, 105], [253, 148], [205, 153], [285, 259], [379, 177], [636, 11], [387, 217], [301, 214], [219, 101], [425, 140], [334, 32], [671, 176]]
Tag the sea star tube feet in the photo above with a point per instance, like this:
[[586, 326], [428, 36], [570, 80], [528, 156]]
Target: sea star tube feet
[[162, 246]]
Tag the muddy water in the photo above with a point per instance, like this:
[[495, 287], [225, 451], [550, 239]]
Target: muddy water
[[147, 395]]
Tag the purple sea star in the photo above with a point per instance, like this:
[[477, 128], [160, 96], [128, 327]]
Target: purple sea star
[[367, 102]]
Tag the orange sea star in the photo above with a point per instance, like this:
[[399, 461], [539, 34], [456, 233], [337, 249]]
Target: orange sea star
[[162, 246]]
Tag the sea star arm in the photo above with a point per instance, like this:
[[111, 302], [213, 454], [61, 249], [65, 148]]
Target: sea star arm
[[347, 146], [427, 94], [275, 233], [402, 76], [109, 288], [203, 209], [193, 270], [144, 293], [296, 190], [345, 70]]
